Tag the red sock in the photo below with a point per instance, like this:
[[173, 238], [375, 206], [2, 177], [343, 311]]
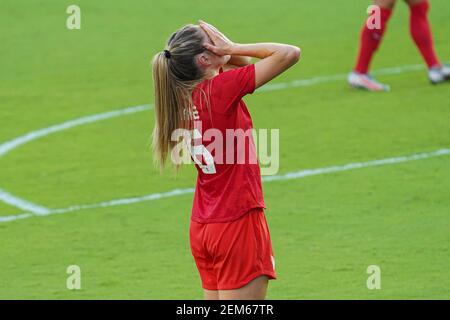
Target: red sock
[[421, 32], [370, 41]]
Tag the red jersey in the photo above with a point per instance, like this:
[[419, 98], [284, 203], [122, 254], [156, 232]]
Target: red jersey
[[229, 178]]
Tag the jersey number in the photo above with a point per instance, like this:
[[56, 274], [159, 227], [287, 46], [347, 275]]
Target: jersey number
[[200, 150]]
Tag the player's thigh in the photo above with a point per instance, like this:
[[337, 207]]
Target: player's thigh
[[254, 290], [389, 4], [211, 294]]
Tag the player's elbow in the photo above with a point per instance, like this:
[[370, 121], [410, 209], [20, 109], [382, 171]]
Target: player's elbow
[[288, 55], [294, 54]]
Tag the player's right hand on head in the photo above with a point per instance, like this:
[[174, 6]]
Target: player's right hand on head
[[220, 44]]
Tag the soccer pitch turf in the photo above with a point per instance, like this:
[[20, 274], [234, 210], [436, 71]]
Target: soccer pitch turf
[[326, 228]]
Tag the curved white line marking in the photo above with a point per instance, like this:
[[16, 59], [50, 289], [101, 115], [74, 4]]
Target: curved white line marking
[[34, 135], [22, 204], [288, 176]]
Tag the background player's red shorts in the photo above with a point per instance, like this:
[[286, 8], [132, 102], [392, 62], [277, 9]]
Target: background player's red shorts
[[229, 255]]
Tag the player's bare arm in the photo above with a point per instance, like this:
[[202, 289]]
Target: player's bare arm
[[275, 58]]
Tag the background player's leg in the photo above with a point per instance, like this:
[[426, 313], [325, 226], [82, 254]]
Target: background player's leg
[[371, 38], [421, 31], [254, 290], [369, 42]]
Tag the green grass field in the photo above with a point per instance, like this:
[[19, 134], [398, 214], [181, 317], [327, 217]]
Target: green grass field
[[326, 229]]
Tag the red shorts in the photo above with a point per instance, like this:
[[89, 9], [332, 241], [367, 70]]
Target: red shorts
[[230, 255]]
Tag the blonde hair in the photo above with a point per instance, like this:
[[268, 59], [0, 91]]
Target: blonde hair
[[175, 76]]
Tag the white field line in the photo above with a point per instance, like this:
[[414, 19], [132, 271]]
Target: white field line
[[357, 165], [287, 176], [34, 135], [11, 145], [22, 204], [337, 77]]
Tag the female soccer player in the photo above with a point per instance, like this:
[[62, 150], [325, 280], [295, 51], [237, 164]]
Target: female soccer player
[[199, 86], [420, 32]]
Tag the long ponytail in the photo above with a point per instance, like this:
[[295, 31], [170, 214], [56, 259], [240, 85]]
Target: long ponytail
[[175, 76]]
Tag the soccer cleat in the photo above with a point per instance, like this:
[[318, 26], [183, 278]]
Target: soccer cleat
[[439, 74], [366, 82]]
